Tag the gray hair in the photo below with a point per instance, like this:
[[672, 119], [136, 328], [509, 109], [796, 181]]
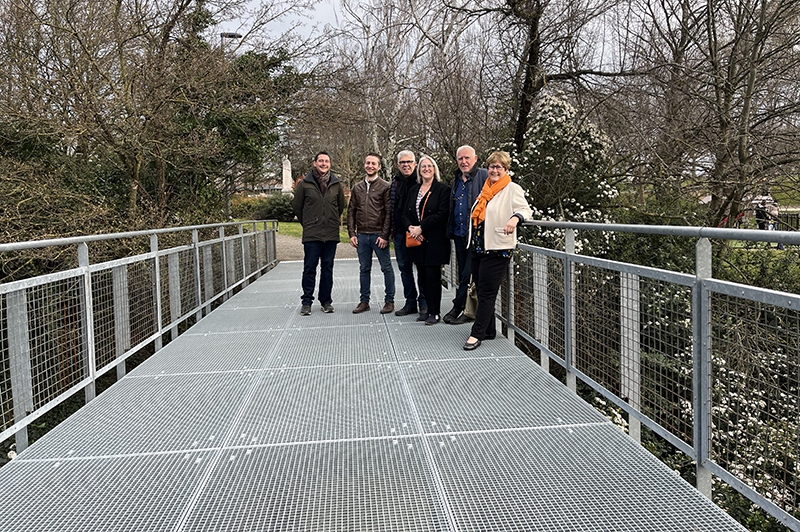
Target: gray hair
[[436, 173], [466, 147], [406, 152]]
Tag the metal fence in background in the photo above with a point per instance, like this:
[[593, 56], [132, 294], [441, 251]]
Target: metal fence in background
[[713, 367], [61, 331]]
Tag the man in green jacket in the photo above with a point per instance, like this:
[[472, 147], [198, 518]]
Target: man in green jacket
[[318, 204]]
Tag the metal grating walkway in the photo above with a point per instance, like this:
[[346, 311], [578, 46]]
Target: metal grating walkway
[[260, 419]]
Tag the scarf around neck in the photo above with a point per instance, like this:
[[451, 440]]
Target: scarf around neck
[[322, 179], [488, 191]]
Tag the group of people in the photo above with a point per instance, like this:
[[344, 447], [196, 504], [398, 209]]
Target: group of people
[[421, 215]]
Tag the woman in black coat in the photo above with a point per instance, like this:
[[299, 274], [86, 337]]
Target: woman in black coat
[[425, 217]]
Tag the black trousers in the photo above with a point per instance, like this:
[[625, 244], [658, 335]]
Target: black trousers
[[488, 271], [430, 278]]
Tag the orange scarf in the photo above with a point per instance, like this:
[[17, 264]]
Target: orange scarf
[[487, 193]]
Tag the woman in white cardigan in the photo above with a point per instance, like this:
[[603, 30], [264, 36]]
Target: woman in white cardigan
[[498, 210]]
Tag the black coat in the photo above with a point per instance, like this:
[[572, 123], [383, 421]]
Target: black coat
[[435, 249]]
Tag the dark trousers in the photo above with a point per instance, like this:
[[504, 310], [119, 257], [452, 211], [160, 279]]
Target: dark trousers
[[322, 254], [488, 271], [464, 271], [431, 280], [406, 267]]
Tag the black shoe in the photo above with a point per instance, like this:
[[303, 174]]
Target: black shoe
[[461, 319], [305, 310], [433, 319], [422, 317], [469, 347], [406, 310], [450, 316]]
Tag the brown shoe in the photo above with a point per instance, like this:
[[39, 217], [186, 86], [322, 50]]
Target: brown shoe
[[362, 307], [387, 308]]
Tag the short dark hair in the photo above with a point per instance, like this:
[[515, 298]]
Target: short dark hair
[[321, 153], [376, 155]]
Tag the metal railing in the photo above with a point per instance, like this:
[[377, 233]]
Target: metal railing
[[61, 331], [713, 367]]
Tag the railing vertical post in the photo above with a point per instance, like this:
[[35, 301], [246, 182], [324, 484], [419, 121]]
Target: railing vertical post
[[701, 318], [157, 311], [208, 275], [630, 348], [198, 292], [20, 360], [224, 254], [122, 315], [245, 242], [541, 306], [87, 313], [259, 254], [569, 310], [174, 273], [510, 300]]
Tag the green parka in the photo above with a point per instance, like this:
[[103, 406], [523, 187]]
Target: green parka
[[319, 215]]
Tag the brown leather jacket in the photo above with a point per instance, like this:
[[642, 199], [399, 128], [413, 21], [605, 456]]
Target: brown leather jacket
[[370, 211]]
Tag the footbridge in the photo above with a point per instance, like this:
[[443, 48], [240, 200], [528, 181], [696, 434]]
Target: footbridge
[[249, 416]]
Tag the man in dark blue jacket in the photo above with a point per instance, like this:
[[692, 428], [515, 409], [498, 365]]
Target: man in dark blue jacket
[[404, 179], [467, 185], [318, 204]]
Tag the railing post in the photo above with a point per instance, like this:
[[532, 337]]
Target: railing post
[[122, 315], [20, 360], [630, 349], [510, 299], [259, 254], [569, 310], [245, 254], [541, 306], [174, 273], [87, 313], [701, 318], [225, 280], [198, 292], [157, 291]]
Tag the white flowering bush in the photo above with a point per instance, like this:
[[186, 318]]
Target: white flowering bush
[[563, 166]]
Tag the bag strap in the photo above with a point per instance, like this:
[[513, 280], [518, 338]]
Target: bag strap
[[422, 210]]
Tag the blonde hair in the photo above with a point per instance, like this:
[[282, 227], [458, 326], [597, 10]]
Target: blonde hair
[[499, 157], [436, 174]]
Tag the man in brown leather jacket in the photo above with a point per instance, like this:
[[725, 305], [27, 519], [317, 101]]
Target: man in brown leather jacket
[[369, 221]]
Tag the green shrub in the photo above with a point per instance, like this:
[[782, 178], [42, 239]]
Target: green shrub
[[275, 207]]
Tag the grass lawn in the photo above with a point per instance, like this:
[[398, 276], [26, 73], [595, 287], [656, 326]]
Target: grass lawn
[[294, 229]]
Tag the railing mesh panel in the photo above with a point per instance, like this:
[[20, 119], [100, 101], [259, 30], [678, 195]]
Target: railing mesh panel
[[188, 281], [163, 263], [141, 299], [58, 357], [666, 355], [597, 325], [103, 305], [6, 397], [755, 391], [238, 260]]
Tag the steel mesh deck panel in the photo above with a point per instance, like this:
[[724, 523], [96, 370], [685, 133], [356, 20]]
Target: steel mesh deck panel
[[491, 394], [205, 353], [261, 419], [324, 404], [121, 494], [333, 344], [243, 320], [148, 415], [583, 478], [374, 486]]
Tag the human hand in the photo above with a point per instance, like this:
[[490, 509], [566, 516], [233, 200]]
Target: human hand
[[354, 241]]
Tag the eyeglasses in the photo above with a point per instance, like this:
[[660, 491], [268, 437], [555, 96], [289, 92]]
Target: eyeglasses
[[406, 162], [496, 167]]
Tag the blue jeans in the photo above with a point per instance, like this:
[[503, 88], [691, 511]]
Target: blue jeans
[[464, 271], [315, 253], [406, 268], [367, 243]]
